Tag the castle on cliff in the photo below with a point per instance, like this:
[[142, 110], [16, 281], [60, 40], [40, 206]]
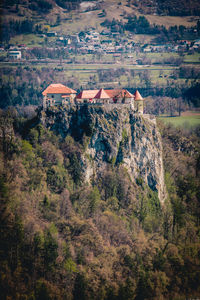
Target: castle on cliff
[[59, 94]]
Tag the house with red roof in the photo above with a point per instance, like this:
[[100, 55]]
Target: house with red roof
[[56, 94]]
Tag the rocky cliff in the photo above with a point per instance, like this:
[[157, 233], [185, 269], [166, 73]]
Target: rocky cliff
[[113, 135]]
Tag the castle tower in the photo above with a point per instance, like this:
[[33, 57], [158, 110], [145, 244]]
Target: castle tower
[[139, 102]]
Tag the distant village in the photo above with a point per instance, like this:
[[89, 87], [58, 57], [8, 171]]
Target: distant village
[[93, 42], [58, 94]]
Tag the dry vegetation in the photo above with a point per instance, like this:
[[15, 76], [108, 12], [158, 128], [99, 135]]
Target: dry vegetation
[[77, 20], [62, 239]]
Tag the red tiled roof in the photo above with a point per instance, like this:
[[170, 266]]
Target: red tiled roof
[[137, 96], [127, 94], [102, 95], [91, 94], [87, 94], [119, 92], [113, 93], [57, 88]]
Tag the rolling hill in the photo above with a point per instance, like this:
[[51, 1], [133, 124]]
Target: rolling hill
[[72, 16]]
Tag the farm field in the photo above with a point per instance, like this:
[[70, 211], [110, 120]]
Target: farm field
[[121, 74], [188, 120]]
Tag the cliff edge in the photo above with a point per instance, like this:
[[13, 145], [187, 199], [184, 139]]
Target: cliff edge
[[113, 135]]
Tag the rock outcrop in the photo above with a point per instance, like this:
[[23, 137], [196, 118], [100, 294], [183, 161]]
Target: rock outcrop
[[115, 135]]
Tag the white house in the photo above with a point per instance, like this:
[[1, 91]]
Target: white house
[[15, 54]]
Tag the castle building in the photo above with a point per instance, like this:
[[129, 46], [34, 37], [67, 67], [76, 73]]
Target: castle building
[[56, 94]]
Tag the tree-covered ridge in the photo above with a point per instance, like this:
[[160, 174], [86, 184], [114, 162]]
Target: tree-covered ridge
[[173, 7], [161, 7], [62, 239], [141, 25], [43, 6], [168, 7]]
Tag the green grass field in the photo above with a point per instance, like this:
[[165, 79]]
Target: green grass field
[[183, 121], [27, 39]]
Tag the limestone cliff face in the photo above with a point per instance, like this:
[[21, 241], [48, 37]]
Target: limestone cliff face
[[116, 135]]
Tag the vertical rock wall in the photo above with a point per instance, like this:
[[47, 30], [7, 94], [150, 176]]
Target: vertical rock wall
[[115, 136]]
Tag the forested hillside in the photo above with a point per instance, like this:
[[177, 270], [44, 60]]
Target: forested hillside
[[164, 7], [63, 239], [169, 7], [38, 16]]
